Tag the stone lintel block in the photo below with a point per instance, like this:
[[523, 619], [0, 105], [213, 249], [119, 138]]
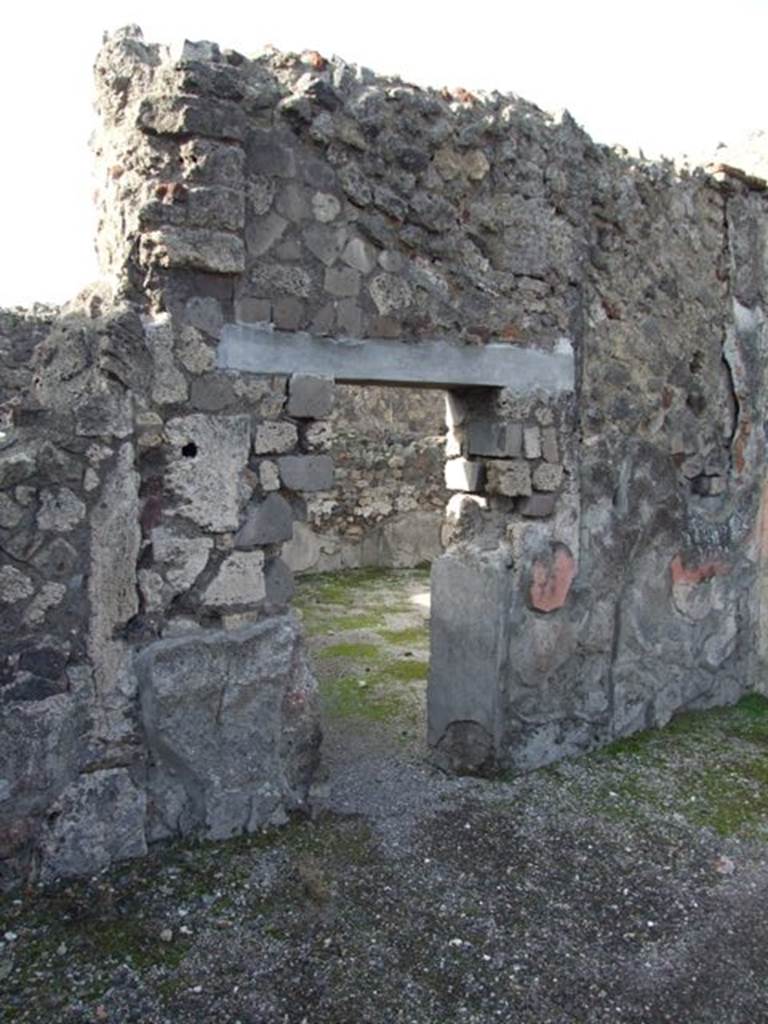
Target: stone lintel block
[[306, 472], [547, 476], [491, 437], [193, 248], [508, 477], [310, 397], [537, 506], [274, 436], [269, 522], [532, 442], [463, 475]]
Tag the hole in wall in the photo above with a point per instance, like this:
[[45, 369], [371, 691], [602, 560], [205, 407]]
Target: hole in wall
[[189, 451]]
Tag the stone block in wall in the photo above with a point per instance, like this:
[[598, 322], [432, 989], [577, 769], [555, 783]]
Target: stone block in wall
[[180, 558], [274, 437], [549, 446], [508, 477], [490, 437], [217, 252], [306, 472], [181, 115], [547, 476], [463, 475], [269, 522], [97, 820], [231, 721], [240, 580], [206, 456], [537, 506], [310, 397], [532, 442]]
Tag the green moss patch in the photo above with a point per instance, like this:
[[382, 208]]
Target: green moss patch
[[415, 635], [361, 651]]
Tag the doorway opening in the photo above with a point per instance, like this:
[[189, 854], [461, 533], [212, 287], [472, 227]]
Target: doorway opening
[[362, 559]]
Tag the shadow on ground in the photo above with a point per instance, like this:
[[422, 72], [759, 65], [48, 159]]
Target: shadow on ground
[[626, 886]]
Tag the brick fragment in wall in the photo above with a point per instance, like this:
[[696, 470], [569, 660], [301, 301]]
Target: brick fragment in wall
[[547, 476], [274, 437], [310, 397], [463, 475], [306, 472], [510, 478], [490, 437], [537, 506]]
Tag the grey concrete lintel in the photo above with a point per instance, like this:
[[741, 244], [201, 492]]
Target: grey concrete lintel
[[440, 364]]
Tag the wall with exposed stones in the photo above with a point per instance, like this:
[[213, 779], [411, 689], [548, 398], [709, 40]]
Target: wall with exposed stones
[[387, 504], [605, 534]]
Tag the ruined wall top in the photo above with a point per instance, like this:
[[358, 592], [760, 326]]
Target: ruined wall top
[[323, 198]]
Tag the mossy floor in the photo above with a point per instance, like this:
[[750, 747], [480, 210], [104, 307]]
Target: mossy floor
[[368, 633]]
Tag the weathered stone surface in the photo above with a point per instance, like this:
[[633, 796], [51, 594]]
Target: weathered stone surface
[[60, 510], [194, 248], [306, 472], [181, 559], [510, 477], [470, 595], [268, 522], [310, 397], [275, 437], [97, 820], [14, 585], [232, 726], [547, 476], [206, 455], [240, 580]]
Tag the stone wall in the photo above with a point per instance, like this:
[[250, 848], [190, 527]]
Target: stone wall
[[606, 531], [387, 504]]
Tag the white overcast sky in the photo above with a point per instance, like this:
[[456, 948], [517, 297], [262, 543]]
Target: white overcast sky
[[670, 76]]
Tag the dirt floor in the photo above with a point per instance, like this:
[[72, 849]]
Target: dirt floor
[[624, 886]]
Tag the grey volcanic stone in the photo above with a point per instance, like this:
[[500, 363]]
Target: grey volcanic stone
[[268, 522], [279, 582], [306, 472], [231, 722], [310, 397], [97, 820]]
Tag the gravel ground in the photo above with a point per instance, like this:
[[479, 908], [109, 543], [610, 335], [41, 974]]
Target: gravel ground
[[625, 886]]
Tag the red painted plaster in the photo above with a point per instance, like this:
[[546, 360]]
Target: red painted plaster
[[552, 580], [697, 574]]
